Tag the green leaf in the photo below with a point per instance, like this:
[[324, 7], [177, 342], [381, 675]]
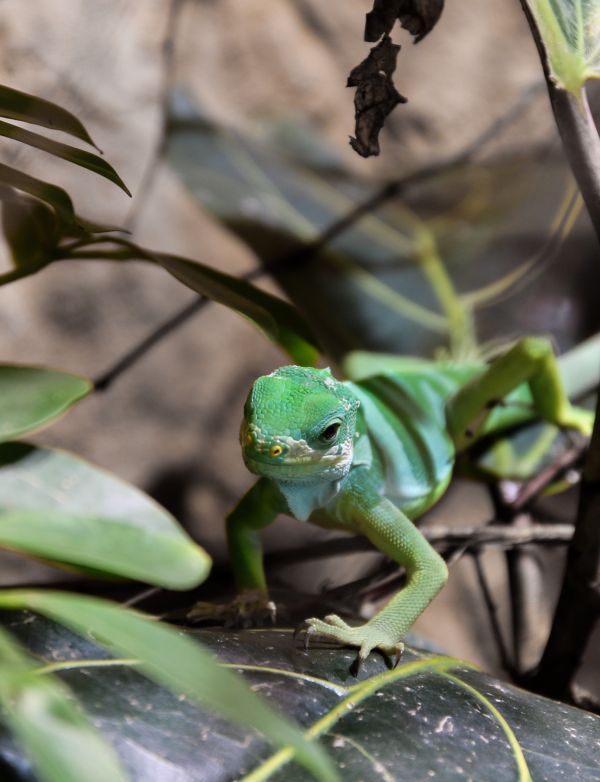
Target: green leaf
[[570, 30], [78, 156], [276, 318], [280, 321], [414, 723], [18, 105], [49, 724], [175, 662], [32, 397], [30, 228], [56, 506], [52, 195]]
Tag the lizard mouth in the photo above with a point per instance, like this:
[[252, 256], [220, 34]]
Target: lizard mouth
[[294, 468]]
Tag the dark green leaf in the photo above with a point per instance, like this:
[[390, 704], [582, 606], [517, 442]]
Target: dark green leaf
[[78, 156], [370, 288], [30, 228], [32, 397], [49, 724], [281, 322], [56, 506], [174, 661], [52, 195], [277, 319], [407, 727], [18, 105]]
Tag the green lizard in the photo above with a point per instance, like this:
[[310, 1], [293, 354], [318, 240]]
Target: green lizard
[[369, 456]]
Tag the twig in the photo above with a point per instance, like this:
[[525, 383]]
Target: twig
[[492, 610], [493, 534], [130, 358], [533, 488]]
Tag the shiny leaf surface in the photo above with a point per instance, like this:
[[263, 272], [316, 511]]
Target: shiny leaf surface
[[176, 662], [404, 725]]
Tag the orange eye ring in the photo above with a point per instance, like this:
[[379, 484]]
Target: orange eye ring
[[249, 439], [275, 450]]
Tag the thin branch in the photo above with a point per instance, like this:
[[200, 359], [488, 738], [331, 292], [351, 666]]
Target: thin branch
[[469, 537], [105, 380], [534, 487], [492, 610]]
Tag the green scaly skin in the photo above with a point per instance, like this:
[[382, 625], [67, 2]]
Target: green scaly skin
[[370, 456]]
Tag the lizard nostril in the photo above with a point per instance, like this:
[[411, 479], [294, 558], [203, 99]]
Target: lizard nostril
[[275, 450]]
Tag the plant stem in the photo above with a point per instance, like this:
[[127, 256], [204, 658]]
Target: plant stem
[[577, 130], [578, 606]]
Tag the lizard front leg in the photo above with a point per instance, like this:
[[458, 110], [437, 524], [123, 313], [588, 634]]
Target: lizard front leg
[[257, 509], [394, 534]]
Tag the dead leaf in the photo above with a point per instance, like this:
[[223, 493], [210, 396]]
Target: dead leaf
[[376, 96], [417, 16]]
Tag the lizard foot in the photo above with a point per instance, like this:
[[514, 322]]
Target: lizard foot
[[248, 609], [579, 419], [367, 638]]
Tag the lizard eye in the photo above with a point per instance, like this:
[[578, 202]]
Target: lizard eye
[[329, 433]]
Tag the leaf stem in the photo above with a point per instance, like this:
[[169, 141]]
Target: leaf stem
[[356, 695], [522, 767], [70, 665]]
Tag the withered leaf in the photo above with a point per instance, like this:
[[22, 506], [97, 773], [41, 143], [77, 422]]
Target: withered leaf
[[419, 17], [376, 96]]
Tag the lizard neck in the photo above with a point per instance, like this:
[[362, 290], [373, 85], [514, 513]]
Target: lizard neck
[[304, 498]]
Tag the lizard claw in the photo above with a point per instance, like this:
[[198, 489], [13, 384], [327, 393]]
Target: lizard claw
[[367, 638]]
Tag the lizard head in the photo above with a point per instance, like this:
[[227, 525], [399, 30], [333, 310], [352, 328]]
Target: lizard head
[[299, 425]]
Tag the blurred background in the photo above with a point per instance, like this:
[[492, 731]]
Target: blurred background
[[229, 122]]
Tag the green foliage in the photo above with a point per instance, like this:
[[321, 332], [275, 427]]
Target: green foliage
[[55, 506], [24, 107], [78, 156], [570, 31], [174, 661], [50, 724], [430, 716], [97, 522], [33, 397]]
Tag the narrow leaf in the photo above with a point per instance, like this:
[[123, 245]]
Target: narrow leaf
[[78, 156], [570, 31], [32, 397], [56, 506], [276, 318], [52, 195], [174, 661], [50, 725], [18, 105]]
